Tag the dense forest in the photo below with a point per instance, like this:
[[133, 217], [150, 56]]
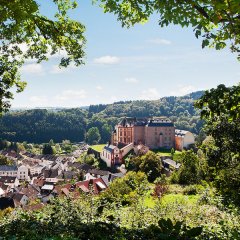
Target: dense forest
[[41, 125]]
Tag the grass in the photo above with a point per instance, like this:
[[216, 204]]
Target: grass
[[167, 152], [174, 195], [98, 147]]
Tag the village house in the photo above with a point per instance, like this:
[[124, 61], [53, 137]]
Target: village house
[[20, 172], [6, 170], [10, 181], [113, 155], [183, 139]]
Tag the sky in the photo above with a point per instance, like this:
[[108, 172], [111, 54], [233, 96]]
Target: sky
[[143, 62]]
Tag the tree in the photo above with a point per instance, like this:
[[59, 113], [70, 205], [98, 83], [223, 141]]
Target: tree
[[189, 170], [216, 22], [220, 101], [5, 161], [27, 34], [150, 164], [106, 132], [93, 136], [172, 152], [221, 111], [48, 149]]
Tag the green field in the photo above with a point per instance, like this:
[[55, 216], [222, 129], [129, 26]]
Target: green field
[[98, 148], [167, 152]]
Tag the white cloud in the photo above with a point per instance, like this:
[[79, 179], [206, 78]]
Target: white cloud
[[107, 60], [99, 88], [183, 90], [57, 70], [160, 41], [131, 80], [71, 95], [32, 68], [38, 101], [150, 94]]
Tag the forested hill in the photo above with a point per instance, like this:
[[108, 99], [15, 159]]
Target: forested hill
[[40, 125]]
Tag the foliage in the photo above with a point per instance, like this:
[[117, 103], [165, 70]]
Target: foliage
[[38, 126], [93, 136], [28, 34], [91, 160], [193, 189], [220, 107], [149, 163], [177, 217], [4, 144], [126, 189], [217, 22], [48, 149], [220, 101], [189, 172], [5, 161], [161, 186]]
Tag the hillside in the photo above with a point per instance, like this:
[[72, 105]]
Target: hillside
[[41, 125]]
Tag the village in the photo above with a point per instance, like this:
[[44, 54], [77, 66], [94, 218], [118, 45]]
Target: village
[[34, 179]]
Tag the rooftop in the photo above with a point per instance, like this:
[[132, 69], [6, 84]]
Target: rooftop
[[8, 168]]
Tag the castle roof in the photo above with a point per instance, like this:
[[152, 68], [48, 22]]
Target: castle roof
[[160, 123], [180, 133]]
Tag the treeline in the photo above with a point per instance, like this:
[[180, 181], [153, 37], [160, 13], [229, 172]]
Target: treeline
[[41, 125]]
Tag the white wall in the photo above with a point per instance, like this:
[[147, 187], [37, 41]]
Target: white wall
[[22, 173], [127, 149], [188, 139], [106, 157]]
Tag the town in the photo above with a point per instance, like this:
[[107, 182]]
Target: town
[[32, 180]]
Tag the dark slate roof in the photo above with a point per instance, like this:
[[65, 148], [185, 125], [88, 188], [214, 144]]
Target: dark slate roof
[[80, 166], [8, 168], [110, 148], [127, 122], [160, 123], [69, 174], [7, 179], [121, 145], [85, 167], [98, 172], [50, 173], [17, 196], [180, 132]]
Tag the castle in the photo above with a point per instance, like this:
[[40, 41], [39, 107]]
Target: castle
[[149, 133], [154, 132]]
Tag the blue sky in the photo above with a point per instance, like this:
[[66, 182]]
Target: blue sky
[[143, 62]]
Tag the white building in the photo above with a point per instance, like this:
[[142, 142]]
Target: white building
[[183, 139], [6, 170], [36, 170], [113, 155], [22, 173]]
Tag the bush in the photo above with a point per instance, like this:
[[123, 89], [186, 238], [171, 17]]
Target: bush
[[190, 190], [193, 189]]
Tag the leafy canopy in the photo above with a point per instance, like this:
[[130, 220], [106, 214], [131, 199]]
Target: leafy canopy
[[27, 34], [216, 21]]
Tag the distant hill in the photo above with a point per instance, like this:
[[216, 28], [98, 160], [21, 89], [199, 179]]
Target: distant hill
[[41, 125]]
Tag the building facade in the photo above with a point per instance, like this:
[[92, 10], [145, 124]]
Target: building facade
[[183, 139], [154, 133]]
